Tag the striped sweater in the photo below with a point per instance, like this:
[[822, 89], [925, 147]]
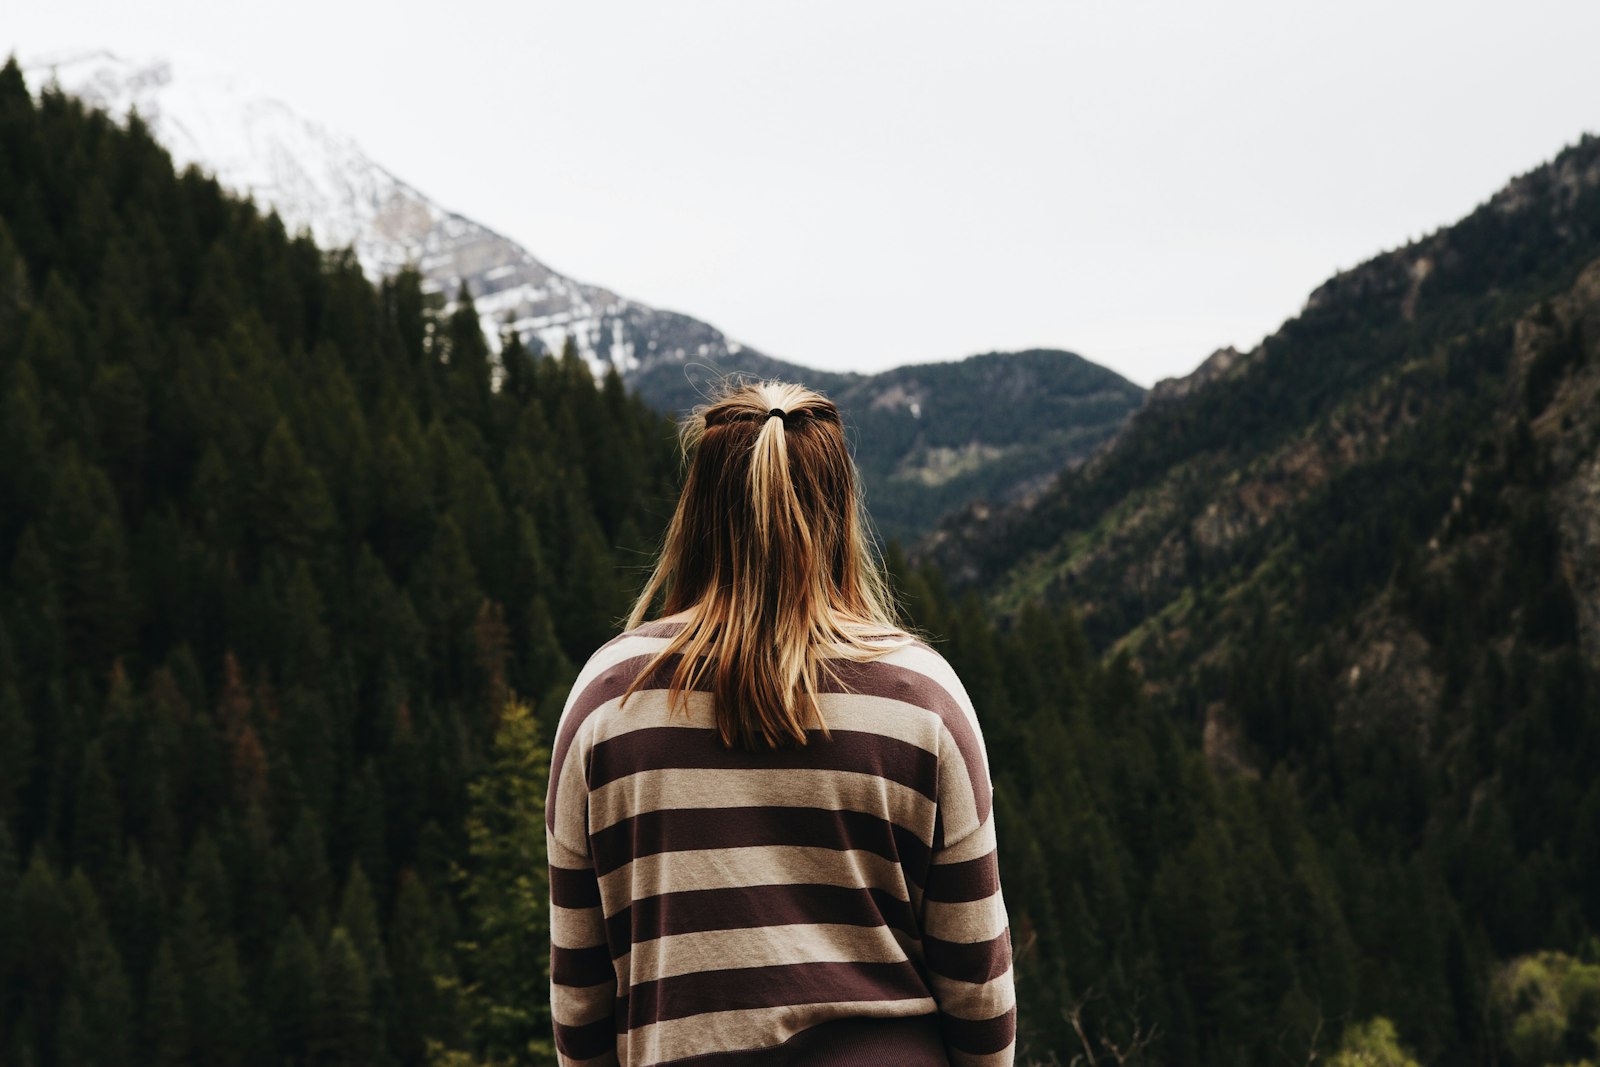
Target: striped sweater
[[835, 903]]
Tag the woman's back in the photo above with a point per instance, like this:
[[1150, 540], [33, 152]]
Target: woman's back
[[769, 814], [722, 905]]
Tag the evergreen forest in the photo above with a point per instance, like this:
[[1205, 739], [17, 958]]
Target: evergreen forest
[[293, 578]]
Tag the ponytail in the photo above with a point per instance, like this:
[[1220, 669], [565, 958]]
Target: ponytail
[[768, 544]]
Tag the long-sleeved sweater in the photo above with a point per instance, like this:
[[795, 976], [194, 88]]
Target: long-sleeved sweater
[[835, 903]]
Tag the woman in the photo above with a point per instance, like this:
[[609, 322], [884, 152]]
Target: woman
[[769, 811]]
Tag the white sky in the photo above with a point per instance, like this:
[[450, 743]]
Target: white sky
[[854, 185]]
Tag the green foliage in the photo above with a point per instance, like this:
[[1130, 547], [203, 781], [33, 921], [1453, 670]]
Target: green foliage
[[273, 552], [504, 887], [1548, 1004], [1156, 909], [1357, 562], [1371, 1044]]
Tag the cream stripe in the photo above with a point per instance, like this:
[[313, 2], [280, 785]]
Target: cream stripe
[[750, 1029], [647, 709], [574, 1006], [766, 946], [695, 789], [604, 659], [936, 668], [577, 927], [572, 798], [969, 921], [971, 1002], [734, 868], [931, 664], [957, 799], [980, 842]]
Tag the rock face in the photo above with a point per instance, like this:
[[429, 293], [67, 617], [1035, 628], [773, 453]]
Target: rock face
[[1217, 365]]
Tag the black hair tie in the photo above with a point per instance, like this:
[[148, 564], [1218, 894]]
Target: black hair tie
[[776, 411]]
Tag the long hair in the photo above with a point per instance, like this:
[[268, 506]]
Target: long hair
[[769, 545]]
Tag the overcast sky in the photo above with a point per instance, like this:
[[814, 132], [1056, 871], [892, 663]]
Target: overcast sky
[[863, 184]]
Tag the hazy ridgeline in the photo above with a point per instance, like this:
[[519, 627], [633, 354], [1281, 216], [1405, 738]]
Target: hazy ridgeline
[[275, 557]]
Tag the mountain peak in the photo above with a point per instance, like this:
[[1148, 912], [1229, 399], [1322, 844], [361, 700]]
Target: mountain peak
[[320, 180]]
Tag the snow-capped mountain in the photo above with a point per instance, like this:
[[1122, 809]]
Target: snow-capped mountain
[[319, 179], [1056, 406]]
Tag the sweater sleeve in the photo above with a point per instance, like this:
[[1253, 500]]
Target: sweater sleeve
[[583, 986], [583, 983], [966, 935]]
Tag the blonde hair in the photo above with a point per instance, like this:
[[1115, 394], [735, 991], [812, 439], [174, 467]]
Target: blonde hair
[[769, 544]]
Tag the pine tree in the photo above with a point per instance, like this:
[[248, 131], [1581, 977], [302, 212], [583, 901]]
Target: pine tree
[[44, 922], [225, 1024], [165, 1026], [292, 993], [97, 983], [292, 508], [97, 823], [416, 957], [344, 1023], [467, 355], [505, 890], [10, 930], [16, 754], [89, 559]]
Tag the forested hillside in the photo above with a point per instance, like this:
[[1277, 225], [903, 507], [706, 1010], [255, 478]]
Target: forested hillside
[[282, 572], [273, 554], [1365, 558]]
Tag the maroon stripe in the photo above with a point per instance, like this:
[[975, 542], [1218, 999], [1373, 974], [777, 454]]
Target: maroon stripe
[[581, 967], [748, 907], [573, 889], [608, 685], [587, 1041], [685, 829], [893, 682], [976, 963], [850, 1041], [667, 747], [782, 985], [982, 1037], [956, 883], [870, 678]]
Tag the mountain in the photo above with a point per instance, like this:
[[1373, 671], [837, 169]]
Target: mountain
[[1365, 556], [930, 437], [320, 179], [1198, 488], [990, 430]]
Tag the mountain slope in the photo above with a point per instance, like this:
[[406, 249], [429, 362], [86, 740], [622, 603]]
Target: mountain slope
[[1382, 353], [993, 429], [1364, 555]]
